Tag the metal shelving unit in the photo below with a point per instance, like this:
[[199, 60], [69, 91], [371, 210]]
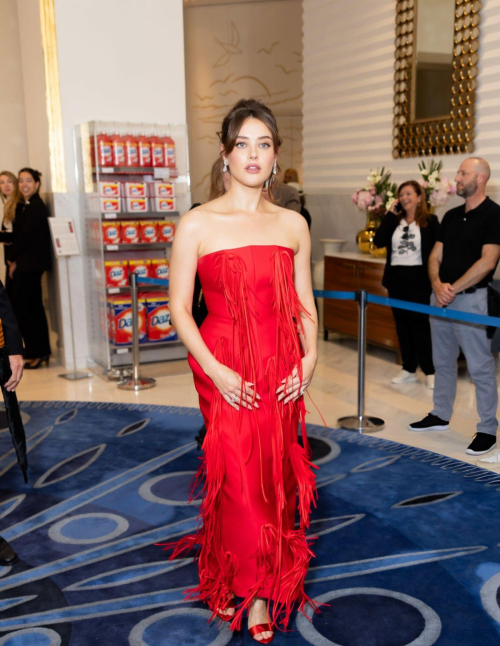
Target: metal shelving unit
[[103, 353]]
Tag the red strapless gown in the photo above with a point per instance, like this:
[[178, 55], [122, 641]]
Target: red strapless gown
[[253, 465]]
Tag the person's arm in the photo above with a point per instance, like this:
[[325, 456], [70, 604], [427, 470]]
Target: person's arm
[[444, 292], [475, 274], [183, 266], [309, 338], [13, 340], [32, 234], [292, 199], [383, 235]]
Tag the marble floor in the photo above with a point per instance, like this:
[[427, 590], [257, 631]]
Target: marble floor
[[334, 392]]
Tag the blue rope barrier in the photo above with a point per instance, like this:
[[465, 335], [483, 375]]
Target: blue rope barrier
[[341, 296], [162, 282], [442, 312]]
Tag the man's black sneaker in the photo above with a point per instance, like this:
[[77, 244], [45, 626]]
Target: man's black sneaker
[[430, 423], [482, 443]]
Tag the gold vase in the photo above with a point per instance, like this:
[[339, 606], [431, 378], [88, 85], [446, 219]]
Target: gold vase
[[365, 237], [378, 252]]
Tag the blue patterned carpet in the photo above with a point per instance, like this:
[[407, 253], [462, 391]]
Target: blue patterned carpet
[[407, 550]]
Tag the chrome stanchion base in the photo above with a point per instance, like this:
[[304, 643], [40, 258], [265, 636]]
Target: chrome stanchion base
[[143, 383], [74, 376], [365, 424]]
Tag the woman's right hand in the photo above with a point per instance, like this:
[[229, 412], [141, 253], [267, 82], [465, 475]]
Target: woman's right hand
[[228, 383], [394, 208]]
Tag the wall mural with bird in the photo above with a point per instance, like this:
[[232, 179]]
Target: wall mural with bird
[[240, 50]]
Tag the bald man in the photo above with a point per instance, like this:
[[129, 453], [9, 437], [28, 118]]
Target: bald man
[[461, 266]]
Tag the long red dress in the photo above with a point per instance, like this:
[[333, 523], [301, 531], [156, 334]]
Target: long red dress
[[252, 465]]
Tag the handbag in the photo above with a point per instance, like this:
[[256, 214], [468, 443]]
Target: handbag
[[199, 309]]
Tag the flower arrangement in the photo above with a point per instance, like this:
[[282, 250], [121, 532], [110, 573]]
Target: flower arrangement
[[437, 188], [377, 196]]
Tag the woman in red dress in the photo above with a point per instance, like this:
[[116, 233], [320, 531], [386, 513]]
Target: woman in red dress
[[252, 360]]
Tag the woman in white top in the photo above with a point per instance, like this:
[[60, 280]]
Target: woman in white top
[[409, 232]]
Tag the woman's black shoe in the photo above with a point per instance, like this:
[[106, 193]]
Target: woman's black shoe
[[37, 363], [7, 554]]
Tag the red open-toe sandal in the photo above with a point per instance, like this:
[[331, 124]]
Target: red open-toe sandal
[[261, 628], [230, 604]]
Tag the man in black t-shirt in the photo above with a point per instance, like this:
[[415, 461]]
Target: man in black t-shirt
[[461, 266]]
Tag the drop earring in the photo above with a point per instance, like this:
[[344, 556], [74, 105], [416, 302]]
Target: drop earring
[[224, 168], [275, 168]]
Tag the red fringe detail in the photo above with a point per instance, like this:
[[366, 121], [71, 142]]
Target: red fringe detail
[[277, 545]]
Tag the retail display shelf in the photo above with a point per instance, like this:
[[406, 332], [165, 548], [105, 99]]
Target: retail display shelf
[[125, 349], [141, 246], [134, 216], [157, 171], [141, 288]]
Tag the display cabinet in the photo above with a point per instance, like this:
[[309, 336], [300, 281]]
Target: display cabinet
[[134, 184]]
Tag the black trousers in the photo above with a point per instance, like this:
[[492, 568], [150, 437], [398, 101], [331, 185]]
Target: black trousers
[[26, 295], [414, 332]]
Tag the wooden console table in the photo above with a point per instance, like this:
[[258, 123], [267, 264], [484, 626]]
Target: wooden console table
[[350, 272]]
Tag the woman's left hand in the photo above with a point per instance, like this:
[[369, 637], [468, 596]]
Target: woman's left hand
[[12, 269], [294, 388]]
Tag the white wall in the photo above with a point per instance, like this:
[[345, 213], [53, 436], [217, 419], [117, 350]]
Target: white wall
[[119, 60], [14, 143], [241, 50], [348, 102]]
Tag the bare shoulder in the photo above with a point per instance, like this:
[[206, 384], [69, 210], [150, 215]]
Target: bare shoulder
[[194, 221], [294, 223]]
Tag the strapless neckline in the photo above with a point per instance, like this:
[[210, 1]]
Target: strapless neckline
[[248, 246]]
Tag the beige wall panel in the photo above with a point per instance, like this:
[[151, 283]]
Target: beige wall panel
[[238, 51]]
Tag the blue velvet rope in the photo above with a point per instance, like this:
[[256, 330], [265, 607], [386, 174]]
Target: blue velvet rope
[[441, 312]]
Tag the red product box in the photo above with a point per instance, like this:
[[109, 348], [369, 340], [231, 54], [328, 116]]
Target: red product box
[[160, 268], [140, 267], [149, 231], [135, 189], [111, 232], [120, 313], [162, 189], [116, 273], [137, 204], [158, 313], [162, 204], [166, 231], [110, 205], [109, 189], [131, 233]]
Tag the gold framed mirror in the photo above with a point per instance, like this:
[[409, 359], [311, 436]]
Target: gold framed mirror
[[435, 77]]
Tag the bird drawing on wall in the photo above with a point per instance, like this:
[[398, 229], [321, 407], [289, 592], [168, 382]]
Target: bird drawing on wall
[[230, 49]]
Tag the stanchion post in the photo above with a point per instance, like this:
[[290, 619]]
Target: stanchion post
[[361, 423], [137, 382]]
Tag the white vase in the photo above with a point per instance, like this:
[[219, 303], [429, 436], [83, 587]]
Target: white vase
[[332, 245]]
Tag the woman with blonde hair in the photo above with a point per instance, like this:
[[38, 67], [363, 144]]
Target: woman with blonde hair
[[9, 195]]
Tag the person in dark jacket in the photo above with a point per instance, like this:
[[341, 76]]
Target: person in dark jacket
[[409, 232], [29, 257], [14, 343]]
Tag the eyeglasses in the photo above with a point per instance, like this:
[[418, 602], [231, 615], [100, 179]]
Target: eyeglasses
[[405, 235]]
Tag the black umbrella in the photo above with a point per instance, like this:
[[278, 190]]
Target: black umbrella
[[15, 422]]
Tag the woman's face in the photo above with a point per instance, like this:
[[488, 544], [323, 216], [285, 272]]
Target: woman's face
[[27, 185], [7, 185], [252, 158], [408, 198]]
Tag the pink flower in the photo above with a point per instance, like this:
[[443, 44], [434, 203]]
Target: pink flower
[[423, 183], [378, 200], [372, 190], [438, 198], [365, 199], [354, 198]]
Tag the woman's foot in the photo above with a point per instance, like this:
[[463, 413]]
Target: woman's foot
[[228, 611], [33, 364], [257, 616]]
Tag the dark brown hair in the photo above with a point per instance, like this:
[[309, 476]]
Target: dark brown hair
[[236, 117], [216, 181], [422, 214], [35, 174]]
